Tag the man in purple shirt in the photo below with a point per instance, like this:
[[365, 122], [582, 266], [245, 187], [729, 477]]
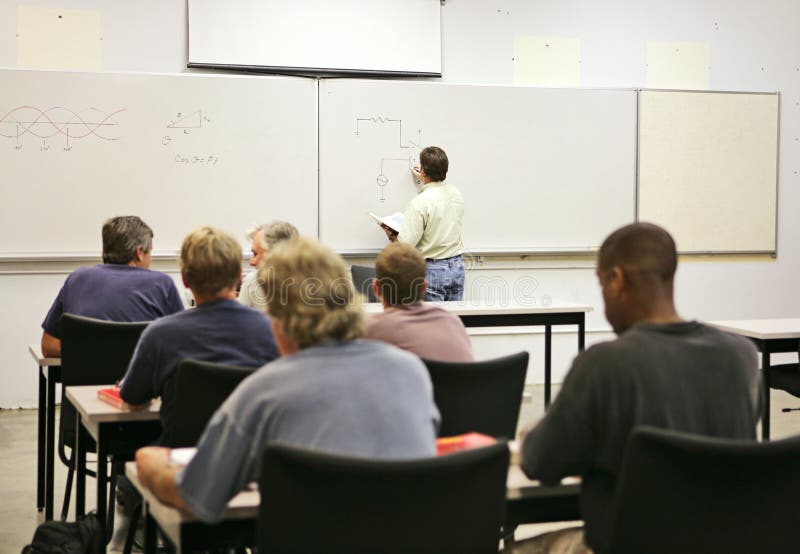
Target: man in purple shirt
[[122, 288], [407, 322]]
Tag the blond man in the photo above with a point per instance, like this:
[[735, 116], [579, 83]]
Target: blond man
[[262, 238], [407, 322], [218, 330], [329, 390]]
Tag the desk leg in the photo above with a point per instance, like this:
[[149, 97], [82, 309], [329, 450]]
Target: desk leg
[[50, 439], [548, 343], [80, 469], [765, 364], [582, 333], [41, 440], [102, 480], [149, 531]]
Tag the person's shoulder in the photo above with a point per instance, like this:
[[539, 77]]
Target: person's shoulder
[[727, 341]]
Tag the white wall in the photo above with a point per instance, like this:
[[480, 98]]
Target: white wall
[[753, 46]]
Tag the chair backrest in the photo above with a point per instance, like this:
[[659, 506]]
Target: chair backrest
[[93, 352], [199, 388], [479, 396], [362, 280], [686, 493], [316, 502]]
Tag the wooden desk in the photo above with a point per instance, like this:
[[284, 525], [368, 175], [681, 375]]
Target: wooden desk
[[49, 375], [526, 502], [557, 313], [118, 433], [770, 336]]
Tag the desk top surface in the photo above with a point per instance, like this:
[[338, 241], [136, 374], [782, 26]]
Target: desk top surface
[[94, 410], [473, 308], [40, 359], [764, 329]]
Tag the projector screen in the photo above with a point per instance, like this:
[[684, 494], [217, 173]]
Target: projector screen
[[350, 37]]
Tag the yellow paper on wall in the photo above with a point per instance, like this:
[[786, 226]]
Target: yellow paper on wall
[[678, 65], [50, 38], [547, 61]]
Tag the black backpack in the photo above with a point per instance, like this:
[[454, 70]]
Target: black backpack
[[84, 536]]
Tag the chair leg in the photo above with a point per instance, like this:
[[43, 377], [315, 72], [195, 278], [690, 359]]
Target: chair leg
[[68, 489]]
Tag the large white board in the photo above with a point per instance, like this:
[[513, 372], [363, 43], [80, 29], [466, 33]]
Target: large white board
[[708, 168], [180, 151], [538, 168], [345, 36]]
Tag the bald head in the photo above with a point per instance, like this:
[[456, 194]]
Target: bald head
[[646, 252], [636, 267]]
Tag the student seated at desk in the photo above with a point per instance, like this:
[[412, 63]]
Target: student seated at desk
[[425, 329], [661, 371], [218, 330], [330, 390], [122, 288], [263, 238]]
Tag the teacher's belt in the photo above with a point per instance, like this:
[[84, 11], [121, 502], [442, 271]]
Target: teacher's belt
[[442, 259]]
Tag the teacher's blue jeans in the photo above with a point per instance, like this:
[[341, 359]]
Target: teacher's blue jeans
[[445, 279]]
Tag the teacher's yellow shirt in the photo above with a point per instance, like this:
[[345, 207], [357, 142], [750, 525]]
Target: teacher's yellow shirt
[[433, 221]]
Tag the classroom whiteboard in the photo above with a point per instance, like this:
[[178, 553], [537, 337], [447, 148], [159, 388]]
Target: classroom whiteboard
[[387, 37], [708, 168], [178, 150], [538, 168]]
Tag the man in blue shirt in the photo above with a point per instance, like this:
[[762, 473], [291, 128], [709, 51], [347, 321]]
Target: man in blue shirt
[[122, 288], [218, 330]]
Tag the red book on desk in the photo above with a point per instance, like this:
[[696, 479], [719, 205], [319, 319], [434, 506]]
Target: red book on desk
[[448, 445], [111, 396]]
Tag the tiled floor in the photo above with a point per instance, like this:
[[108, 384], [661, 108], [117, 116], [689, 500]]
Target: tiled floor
[[19, 518]]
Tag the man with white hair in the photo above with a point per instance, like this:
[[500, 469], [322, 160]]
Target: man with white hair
[[262, 239]]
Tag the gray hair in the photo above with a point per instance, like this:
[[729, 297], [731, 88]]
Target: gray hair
[[274, 232], [122, 236]]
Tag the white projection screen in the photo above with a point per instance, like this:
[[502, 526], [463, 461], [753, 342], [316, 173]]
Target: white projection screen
[[348, 37]]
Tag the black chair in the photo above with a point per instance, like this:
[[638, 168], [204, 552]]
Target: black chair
[[362, 280], [686, 493], [321, 503], [199, 388], [479, 396], [93, 352]]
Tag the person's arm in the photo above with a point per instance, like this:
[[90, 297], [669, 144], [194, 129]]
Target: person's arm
[[136, 388], [51, 346], [564, 442], [173, 302], [157, 475], [413, 226]]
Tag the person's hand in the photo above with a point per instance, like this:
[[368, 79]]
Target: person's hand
[[416, 171], [390, 233], [136, 407]]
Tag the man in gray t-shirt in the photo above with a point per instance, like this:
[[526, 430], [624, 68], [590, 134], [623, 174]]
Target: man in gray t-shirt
[[331, 390], [661, 371]]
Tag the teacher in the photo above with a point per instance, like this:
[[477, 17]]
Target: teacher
[[432, 224]]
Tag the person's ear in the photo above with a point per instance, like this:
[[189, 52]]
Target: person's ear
[[185, 282], [376, 288], [616, 282], [138, 254]]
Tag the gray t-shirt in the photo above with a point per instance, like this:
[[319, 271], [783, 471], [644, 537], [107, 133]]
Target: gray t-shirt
[[682, 376], [361, 398]]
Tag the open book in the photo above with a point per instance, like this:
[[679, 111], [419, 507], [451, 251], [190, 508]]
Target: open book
[[393, 222]]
